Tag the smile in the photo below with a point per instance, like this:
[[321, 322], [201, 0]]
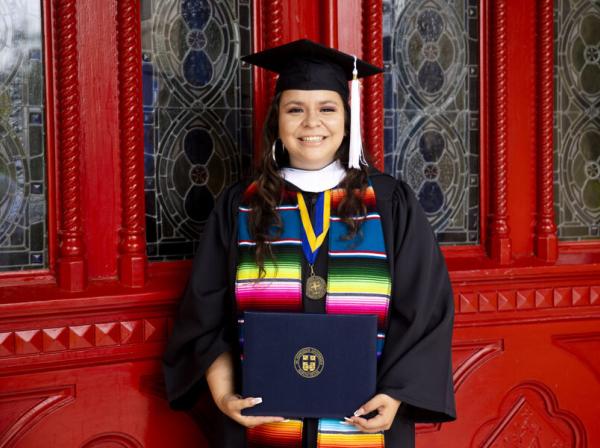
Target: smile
[[312, 139]]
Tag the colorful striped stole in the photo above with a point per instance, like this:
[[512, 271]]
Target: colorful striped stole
[[358, 282]]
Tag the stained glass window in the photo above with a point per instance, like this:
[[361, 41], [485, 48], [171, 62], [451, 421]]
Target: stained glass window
[[23, 241], [197, 114], [431, 110], [577, 119]]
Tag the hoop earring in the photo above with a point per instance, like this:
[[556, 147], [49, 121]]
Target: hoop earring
[[274, 149]]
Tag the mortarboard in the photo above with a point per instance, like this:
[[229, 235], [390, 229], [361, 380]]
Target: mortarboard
[[307, 65]]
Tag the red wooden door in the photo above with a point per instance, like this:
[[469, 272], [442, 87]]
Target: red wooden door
[[81, 339]]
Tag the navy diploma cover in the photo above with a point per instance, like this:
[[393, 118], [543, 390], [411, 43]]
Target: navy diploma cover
[[309, 365]]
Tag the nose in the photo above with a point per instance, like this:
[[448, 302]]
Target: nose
[[312, 119]]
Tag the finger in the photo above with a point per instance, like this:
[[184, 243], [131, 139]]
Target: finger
[[371, 405], [252, 421], [246, 403], [377, 423]]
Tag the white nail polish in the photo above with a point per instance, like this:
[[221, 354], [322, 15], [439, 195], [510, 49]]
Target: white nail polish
[[257, 400]]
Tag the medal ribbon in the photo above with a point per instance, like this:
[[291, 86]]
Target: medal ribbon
[[312, 238]]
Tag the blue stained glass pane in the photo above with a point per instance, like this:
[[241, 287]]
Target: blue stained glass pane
[[197, 110], [198, 146], [23, 241], [195, 13], [431, 125], [197, 68], [431, 197], [577, 119]]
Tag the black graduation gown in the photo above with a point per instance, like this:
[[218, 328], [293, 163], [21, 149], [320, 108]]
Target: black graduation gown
[[415, 366]]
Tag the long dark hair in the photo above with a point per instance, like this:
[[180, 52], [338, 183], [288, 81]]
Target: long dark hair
[[270, 187]]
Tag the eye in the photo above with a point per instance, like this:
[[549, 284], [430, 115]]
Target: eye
[[294, 110], [328, 109]]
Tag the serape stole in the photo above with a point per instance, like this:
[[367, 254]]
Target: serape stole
[[358, 282]]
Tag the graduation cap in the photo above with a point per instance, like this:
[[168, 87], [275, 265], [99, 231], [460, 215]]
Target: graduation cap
[[307, 65]]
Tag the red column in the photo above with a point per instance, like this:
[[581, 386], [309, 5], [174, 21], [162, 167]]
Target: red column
[[71, 264], [546, 239], [132, 242], [500, 244], [373, 85]]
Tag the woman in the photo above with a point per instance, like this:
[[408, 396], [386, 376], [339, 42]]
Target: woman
[[312, 152]]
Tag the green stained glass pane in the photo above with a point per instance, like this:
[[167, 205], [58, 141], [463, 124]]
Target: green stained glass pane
[[197, 114], [23, 240], [431, 109], [577, 119]]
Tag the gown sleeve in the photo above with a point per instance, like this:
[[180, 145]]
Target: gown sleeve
[[416, 366], [204, 325]]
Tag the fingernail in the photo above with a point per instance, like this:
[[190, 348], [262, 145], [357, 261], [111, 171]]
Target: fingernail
[[347, 419], [360, 412], [257, 400]]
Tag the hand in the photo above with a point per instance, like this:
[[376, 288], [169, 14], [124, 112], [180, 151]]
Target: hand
[[386, 408], [232, 405]]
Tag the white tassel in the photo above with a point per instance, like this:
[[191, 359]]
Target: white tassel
[[355, 156]]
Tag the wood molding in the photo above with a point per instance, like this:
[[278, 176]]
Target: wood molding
[[530, 415], [132, 244], [372, 24], [272, 34], [546, 233], [500, 244], [48, 401], [71, 263]]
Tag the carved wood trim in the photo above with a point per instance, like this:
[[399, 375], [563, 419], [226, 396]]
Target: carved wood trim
[[583, 346], [50, 401], [132, 244], [500, 244], [546, 237], [272, 33], [71, 264], [523, 299], [372, 24], [85, 335], [530, 415]]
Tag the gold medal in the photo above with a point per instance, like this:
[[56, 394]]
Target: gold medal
[[315, 287]]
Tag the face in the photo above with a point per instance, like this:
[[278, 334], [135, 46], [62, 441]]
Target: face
[[311, 126]]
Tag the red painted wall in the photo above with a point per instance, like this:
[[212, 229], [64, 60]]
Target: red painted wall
[[80, 348]]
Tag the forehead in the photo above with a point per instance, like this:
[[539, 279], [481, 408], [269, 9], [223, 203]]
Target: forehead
[[309, 96]]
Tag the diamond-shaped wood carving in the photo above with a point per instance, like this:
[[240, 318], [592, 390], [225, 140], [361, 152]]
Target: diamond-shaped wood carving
[[529, 416], [507, 300], [132, 332], [55, 339], [7, 344], [155, 329], [81, 336], [563, 297], [525, 299], [106, 334], [595, 295], [28, 341], [581, 295], [543, 298], [467, 303], [488, 301]]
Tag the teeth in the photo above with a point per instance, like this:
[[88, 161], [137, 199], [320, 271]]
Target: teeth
[[312, 139]]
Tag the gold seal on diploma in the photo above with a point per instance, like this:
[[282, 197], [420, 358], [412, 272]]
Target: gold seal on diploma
[[309, 362]]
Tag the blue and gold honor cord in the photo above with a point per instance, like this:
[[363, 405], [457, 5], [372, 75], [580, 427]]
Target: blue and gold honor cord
[[312, 239]]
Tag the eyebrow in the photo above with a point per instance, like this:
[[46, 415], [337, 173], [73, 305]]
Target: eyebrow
[[295, 102]]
